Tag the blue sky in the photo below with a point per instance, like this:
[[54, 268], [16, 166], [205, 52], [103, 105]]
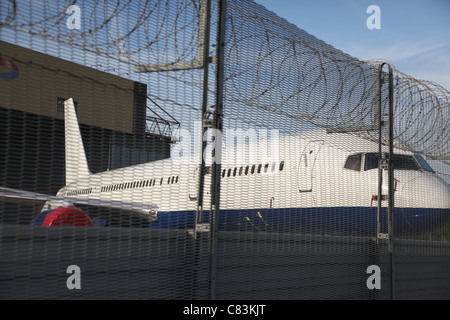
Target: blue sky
[[414, 34]]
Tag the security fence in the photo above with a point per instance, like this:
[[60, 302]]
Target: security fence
[[212, 150]]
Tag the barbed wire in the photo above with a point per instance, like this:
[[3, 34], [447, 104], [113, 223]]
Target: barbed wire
[[117, 29], [422, 114], [292, 73], [270, 64]]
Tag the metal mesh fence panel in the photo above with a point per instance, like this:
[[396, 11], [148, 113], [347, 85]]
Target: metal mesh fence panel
[[95, 100], [302, 177], [300, 235], [212, 150]]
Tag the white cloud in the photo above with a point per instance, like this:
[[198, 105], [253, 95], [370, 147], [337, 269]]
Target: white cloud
[[427, 59]]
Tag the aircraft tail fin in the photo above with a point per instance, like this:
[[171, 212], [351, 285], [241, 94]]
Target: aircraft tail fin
[[77, 169]]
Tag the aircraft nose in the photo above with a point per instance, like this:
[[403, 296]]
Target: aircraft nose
[[426, 191]]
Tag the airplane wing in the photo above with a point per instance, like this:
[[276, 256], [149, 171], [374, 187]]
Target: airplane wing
[[22, 196], [29, 197]]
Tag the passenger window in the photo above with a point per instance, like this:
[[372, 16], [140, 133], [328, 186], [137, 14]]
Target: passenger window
[[281, 165], [353, 162]]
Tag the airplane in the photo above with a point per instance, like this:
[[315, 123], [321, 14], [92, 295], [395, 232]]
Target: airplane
[[319, 183]]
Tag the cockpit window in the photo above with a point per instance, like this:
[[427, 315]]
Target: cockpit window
[[353, 162], [400, 162], [423, 163]]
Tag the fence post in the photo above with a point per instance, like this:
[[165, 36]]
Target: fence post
[[217, 125], [390, 167], [204, 25], [391, 179]]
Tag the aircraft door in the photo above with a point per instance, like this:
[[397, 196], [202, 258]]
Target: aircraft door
[[306, 166], [193, 184]]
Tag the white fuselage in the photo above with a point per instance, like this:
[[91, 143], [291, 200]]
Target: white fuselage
[[312, 175], [328, 182]]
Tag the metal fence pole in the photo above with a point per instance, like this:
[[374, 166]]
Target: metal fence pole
[[204, 24], [217, 143], [380, 151], [390, 167], [391, 178]]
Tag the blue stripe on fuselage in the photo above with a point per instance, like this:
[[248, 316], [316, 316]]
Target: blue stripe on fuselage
[[357, 221]]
